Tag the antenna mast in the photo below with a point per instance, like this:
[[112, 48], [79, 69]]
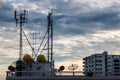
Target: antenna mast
[[50, 41], [20, 19], [50, 37]]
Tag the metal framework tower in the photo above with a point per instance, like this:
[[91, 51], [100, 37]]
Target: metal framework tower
[[20, 20], [50, 41], [50, 38]]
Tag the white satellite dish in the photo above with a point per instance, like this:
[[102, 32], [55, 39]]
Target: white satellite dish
[[13, 64], [73, 67]]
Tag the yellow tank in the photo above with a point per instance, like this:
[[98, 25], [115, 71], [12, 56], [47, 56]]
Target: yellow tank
[[27, 58], [41, 58]]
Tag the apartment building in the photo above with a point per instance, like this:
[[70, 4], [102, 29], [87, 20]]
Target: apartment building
[[102, 64]]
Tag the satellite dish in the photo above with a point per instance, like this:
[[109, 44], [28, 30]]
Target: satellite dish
[[11, 68], [61, 68], [13, 64], [73, 67]]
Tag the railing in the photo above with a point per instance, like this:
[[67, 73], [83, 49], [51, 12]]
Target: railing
[[61, 73], [25, 73], [33, 73], [71, 73]]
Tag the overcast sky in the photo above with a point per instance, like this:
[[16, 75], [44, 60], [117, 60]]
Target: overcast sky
[[81, 28]]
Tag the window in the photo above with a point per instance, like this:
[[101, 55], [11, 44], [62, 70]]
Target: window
[[98, 69], [98, 60], [98, 64]]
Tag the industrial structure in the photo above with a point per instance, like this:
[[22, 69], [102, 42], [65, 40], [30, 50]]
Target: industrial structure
[[41, 67]]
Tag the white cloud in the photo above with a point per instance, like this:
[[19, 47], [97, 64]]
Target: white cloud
[[113, 35], [86, 42]]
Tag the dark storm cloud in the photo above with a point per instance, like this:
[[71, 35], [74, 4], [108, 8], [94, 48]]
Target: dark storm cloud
[[77, 24], [37, 0], [70, 19], [103, 17], [36, 18], [87, 22], [6, 12]]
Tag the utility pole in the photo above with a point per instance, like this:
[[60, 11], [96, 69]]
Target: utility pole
[[20, 20]]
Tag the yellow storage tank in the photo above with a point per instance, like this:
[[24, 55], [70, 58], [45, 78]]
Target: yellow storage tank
[[41, 58], [27, 58]]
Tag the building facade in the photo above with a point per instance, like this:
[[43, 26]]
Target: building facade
[[102, 64]]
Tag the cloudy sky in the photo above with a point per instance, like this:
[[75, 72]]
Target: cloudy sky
[[81, 28]]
